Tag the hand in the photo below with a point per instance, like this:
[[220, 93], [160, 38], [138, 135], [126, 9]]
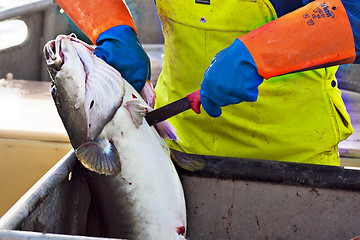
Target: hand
[[231, 78], [120, 48]]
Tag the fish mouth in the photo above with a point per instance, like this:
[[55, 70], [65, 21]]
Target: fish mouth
[[53, 52], [54, 56]]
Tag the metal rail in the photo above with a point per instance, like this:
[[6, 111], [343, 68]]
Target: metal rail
[[28, 8], [37, 193], [17, 235]]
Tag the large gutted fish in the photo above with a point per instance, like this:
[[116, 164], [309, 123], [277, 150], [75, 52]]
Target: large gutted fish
[[104, 118]]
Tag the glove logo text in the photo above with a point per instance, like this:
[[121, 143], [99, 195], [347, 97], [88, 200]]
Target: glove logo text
[[320, 12]]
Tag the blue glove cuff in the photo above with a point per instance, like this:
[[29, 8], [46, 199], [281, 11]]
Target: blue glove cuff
[[231, 78], [120, 48]]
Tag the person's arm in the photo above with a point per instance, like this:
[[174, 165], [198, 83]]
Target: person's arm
[[314, 36], [109, 25]]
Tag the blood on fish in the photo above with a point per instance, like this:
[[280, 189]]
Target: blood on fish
[[126, 181], [134, 96], [180, 230], [157, 129]]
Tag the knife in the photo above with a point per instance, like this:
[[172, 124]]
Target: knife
[[191, 101]]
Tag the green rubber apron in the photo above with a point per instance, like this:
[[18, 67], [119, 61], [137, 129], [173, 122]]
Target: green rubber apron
[[298, 117]]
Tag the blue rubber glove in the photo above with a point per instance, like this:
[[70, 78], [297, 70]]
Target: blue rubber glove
[[231, 78], [120, 48]]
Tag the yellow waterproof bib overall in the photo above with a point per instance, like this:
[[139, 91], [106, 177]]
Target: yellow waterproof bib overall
[[297, 118]]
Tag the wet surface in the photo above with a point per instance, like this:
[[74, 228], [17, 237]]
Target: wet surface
[[25, 88], [29, 111]]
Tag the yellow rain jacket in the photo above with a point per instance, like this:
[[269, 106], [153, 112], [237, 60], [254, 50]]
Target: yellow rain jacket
[[298, 117]]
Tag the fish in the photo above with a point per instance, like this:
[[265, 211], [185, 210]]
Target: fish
[[104, 119]]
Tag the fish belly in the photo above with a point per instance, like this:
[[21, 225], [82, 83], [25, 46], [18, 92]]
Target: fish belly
[[149, 197], [154, 188]]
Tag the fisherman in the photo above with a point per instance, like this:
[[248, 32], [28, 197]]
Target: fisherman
[[266, 70]]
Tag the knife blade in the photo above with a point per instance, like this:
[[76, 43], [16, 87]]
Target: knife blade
[[191, 101]]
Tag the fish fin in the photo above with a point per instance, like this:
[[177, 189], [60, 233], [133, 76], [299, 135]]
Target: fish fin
[[167, 131], [99, 156], [188, 164], [148, 93], [137, 110]]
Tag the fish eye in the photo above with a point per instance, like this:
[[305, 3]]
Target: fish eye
[[91, 104], [53, 90]]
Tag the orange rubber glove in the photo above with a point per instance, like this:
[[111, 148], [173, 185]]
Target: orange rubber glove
[[314, 36], [96, 16]]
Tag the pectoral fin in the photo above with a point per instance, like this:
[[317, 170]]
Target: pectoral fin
[[167, 131], [137, 109], [99, 156], [148, 94]]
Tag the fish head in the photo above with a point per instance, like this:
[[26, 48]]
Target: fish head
[[87, 92]]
